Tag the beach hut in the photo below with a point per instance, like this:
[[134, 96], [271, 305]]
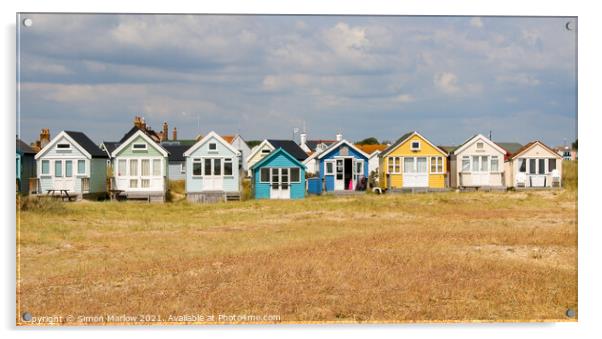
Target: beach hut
[[278, 175]]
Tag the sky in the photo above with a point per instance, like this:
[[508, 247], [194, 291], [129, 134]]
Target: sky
[[263, 76]]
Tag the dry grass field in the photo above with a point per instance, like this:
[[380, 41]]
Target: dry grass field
[[412, 257]]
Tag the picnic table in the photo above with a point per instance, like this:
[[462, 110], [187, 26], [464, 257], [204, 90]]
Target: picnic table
[[62, 194]]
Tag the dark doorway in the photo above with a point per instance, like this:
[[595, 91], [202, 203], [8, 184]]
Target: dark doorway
[[348, 175]]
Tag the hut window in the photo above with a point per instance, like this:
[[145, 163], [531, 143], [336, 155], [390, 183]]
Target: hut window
[[212, 146], [479, 145], [156, 167], [484, 163], [133, 183], [182, 168], [465, 163], [391, 161], [197, 167], [397, 166], [45, 167], [522, 165], [475, 163], [227, 166], [415, 146], [532, 164], [139, 147], [207, 167], [58, 168], [63, 146], [145, 167], [408, 165], [145, 183], [121, 168], [495, 165], [329, 168], [68, 168], [542, 166], [133, 167], [265, 151], [359, 167], [551, 165], [295, 175], [81, 166], [265, 175], [217, 167], [437, 165]]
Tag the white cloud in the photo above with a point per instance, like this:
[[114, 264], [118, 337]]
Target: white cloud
[[447, 82]]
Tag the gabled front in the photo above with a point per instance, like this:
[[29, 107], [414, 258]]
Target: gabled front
[[478, 162], [413, 162], [343, 167]]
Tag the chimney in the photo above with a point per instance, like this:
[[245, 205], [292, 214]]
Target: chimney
[[303, 138], [164, 135], [139, 122], [44, 137], [339, 137], [174, 134]]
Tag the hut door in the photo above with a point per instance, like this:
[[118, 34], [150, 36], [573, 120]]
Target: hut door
[[280, 187], [339, 179], [63, 175]]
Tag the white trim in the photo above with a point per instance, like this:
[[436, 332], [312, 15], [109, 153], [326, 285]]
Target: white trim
[[257, 148], [56, 139], [208, 137], [135, 149], [474, 139], [335, 146], [148, 139], [412, 148]]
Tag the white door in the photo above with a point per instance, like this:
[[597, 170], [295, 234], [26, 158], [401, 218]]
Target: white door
[[339, 178], [415, 172], [537, 170], [213, 179], [63, 175], [280, 183], [480, 170]]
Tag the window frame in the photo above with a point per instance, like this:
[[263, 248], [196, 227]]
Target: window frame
[[80, 161], [439, 168], [290, 171], [201, 163], [417, 148], [497, 161], [47, 167], [139, 149], [551, 161], [58, 146], [228, 161], [212, 146], [60, 162], [466, 158], [333, 164], [261, 172]]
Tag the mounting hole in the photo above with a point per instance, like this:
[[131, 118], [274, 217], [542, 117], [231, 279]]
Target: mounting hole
[[570, 313], [26, 316], [27, 22]]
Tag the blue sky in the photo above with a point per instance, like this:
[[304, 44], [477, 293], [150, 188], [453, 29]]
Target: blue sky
[[262, 76]]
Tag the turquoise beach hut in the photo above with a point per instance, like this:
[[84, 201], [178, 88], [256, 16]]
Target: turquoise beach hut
[[278, 176]]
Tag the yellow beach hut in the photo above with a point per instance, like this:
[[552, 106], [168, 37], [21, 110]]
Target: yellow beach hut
[[413, 162]]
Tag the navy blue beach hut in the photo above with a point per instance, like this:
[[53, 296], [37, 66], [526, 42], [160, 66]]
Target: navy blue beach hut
[[279, 175]]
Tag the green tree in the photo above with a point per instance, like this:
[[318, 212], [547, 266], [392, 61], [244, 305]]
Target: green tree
[[575, 144], [368, 141]]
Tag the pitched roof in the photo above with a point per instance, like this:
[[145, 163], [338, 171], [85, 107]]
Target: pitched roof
[[449, 149], [511, 147], [527, 146], [228, 138], [176, 152], [403, 138], [110, 146], [290, 147], [312, 144], [87, 144], [336, 145], [274, 153], [23, 148], [135, 129], [369, 149]]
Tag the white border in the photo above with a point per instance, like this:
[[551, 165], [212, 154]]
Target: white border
[[589, 195]]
